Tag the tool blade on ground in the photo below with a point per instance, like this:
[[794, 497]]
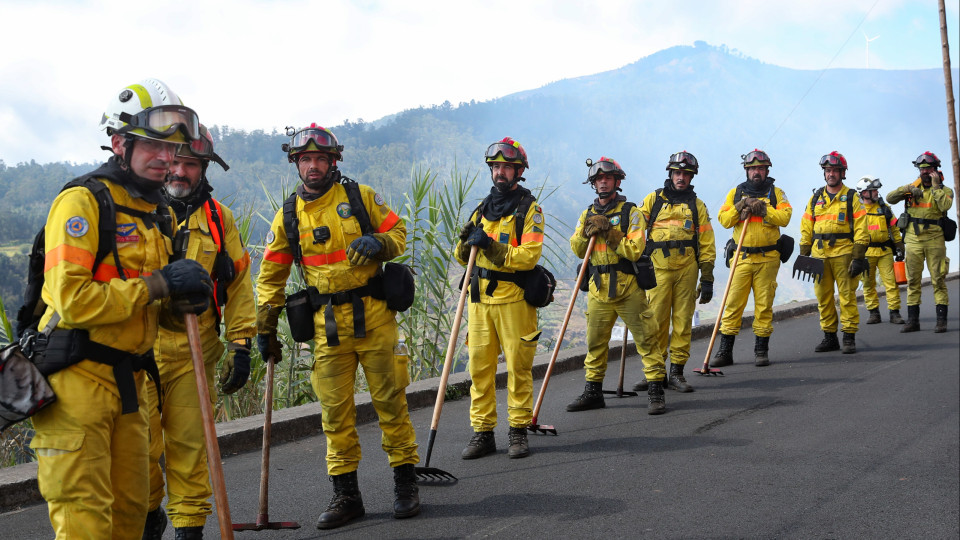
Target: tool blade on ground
[[431, 475], [805, 268], [542, 428]]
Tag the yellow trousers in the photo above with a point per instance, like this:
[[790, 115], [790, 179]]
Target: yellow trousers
[[636, 314], [92, 460], [511, 328], [835, 272], [673, 302], [761, 277], [333, 378], [934, 251], [883, 266]]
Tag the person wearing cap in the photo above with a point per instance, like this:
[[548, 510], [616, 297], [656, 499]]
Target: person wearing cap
[[500, 320], [92, 444], [681, 245], [886, 245], [613, 285], [339, 234], [763, 209], [207, 234], [927, 200], [834, 229]]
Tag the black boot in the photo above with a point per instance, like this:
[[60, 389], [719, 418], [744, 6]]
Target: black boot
[[346, 504], [829, 343], [188, 533], [895, 317], [760, 348], [592, 398], [407, 501], [641, 385], [676, 380], [849, 343], [655, 395], [874, 316], [519, 448], [724, 356], [941, 319], [481, 444], [155, 525], [913, 320]]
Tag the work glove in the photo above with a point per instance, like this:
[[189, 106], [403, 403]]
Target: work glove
[[614, 236], [595, 225], [236, 368], [806, 249], [743, 206], [705, 291], [757, 207], [269, 347], [937, 179], [362, 249], [465, 231], [193, 303], [496, 253], [857, 267], [916, 192], [478, 237], [898, 251], [182, 277]]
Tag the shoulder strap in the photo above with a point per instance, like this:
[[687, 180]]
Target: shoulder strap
[[521, 214], [356, 205], [625, 215], [291, 227], [817, 193], [107, 221], [737, 195], [773, 197], [654, 212], [695, 215], [215, 222], [850, 208]]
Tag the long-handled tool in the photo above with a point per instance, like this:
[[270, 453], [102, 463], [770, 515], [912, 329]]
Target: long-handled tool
[[705, 370], [623, 361], [263, 517], [428, 473], [534, 426], [209, 428]]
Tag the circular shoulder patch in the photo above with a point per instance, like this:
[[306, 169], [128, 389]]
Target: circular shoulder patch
[[270, 237], [343, 210], [538, 218], [77, 226], [615, 220], [377, 198]]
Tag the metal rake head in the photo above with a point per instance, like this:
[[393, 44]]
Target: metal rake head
[[707, 371], [542, 429], [433, 475], [265, 524], [806, 276], [620, 393]]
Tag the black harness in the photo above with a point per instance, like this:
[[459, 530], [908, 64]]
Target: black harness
[[848, 217], [667, 245], [494, 277]]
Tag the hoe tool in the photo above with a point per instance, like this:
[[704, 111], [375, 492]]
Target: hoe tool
[[209, 428], [534, 426], [808, 268], [427, 473], [263, 518], [623, 360]]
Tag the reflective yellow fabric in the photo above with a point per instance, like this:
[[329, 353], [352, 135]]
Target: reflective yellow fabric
[[881, 266], [823, 217], [835, 271]]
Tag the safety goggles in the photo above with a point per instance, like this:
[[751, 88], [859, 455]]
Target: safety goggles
[[926, 160], [164, 121], [833, 160], [684, 159], [508, 151], [756, 155], [202, 148], [322, 138], [604, 166]]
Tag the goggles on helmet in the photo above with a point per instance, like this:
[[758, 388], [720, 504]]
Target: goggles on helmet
[[605, 165], [926, 159], [684, 161], [755, 158], [322, 139], [163, 121], [202, 148], [510, 152], [833, 159]]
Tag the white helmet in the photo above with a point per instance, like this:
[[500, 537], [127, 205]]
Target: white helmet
[[868, 182], [150, 109]]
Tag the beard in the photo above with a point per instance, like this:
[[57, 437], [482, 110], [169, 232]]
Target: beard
[[178, 190], [502, 184]]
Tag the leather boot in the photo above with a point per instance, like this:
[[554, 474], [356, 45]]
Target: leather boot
[[874, 317], [592, 398], [676, 380], [913, 320], [481, 444], [760, 348], [518, 442], [407, 501], [655, 395], [155, 525], [941, 319], [724, 356], [641, 385], [188, 533], [895, 317], [346, 504], [849, 343], [829, 343]]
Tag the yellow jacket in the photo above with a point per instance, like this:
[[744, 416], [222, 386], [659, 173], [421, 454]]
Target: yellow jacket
[[762, 231], [630, 248], [935, 203], [829, 216], [522, 253], [881, 228], [675, 222], [326, 265]]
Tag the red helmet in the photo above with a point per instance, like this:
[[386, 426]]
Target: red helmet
[[312, 138], [683, 161], [604, 165], [833, 159], [507, 151], [202, 148], [756, 158], [927, 159]]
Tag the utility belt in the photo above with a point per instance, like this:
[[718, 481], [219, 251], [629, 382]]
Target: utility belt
[[642, 269], [302, 304], [784, 246], [831, 237], [886, 244], [538, 284], [666, 246]]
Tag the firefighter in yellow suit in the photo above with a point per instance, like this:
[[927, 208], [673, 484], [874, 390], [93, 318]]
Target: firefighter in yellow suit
[[177, 432], [752, 205], [499, 317], [354, 326], [92, 443], [614, 289], [681, 245], [927, 201], [886, 245], [834, 228]]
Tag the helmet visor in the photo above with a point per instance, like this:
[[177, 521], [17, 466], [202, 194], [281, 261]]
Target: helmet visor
[[508, 151], [832, 160], [604, 167], [926, 160], [757, 155], [683, 161], [164, 121], [321, 138]]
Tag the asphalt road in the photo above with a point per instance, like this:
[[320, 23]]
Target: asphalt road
[[814, 446]]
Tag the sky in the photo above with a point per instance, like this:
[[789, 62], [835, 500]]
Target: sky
[[252, 64]]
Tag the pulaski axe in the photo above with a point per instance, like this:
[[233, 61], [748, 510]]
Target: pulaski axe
[[808, 267]]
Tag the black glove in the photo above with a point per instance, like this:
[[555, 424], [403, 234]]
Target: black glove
[[182, 277], [269, 347], [361, 249], [478, 237], [898, 251], [857, 267], [705, 291], [236, 368], [466, 230], [193, 303]]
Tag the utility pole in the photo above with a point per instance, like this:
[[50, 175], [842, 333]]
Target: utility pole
[[951, 111]]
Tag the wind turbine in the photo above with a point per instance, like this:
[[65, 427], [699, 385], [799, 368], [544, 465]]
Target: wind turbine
[[868, 39]]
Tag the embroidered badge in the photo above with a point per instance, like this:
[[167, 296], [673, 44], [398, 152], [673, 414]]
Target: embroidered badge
[[538, 218], [343, 210], [635, 220], [125, 236], [615, 220], [270, 237], [843, 198], [377, 198], [77, 226]]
